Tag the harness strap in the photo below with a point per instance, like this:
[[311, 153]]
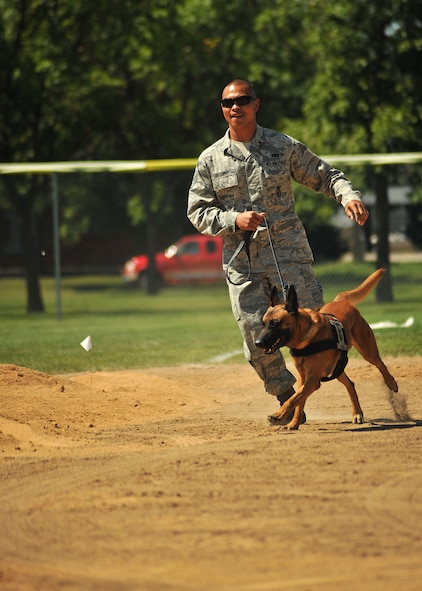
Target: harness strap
[[338, 342]]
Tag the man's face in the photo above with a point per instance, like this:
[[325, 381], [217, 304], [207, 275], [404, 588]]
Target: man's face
[[238, 116]]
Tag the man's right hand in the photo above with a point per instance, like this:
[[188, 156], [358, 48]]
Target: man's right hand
[[249, 220]]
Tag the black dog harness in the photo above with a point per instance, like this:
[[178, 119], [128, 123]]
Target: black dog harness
[[338, 342]]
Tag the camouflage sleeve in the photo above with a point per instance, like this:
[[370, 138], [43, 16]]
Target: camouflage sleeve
[[203, 210], [310, 170]]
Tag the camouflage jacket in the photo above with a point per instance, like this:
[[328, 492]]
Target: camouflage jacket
[[226, 183]]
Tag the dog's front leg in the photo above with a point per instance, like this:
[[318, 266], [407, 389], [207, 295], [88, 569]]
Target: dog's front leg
[[296, 403], [285, 410], [284, 415], [297, 417]]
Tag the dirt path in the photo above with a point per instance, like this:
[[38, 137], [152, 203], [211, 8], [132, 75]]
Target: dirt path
[[171, 479]]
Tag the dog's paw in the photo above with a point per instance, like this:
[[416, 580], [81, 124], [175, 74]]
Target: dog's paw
[[358, 419], [276, 419], [286, 420], [293, 425]]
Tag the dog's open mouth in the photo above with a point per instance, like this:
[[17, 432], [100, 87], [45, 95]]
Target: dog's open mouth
[[274, 347]]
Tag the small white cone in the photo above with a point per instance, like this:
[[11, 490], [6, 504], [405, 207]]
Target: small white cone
[[86, 344]]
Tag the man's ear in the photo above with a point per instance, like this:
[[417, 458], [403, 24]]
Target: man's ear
[[275, 298], [291, 306]]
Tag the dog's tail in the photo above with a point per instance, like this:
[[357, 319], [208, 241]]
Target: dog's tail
[[354, 296]]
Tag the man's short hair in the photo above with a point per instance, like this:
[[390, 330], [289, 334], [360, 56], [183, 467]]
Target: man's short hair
[[242, 82]]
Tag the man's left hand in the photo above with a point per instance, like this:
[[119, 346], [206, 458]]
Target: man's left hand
[[356, 211]]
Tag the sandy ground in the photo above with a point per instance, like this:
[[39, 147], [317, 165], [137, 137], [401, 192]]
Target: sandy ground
[[172, 479]]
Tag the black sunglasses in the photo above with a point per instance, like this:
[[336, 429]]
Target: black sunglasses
[[240, 101]]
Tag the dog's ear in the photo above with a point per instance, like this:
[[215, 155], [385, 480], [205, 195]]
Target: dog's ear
[[291, 306], [275, 298]]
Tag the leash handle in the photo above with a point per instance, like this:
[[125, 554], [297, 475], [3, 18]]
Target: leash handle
[[282, 284], [244, 243]]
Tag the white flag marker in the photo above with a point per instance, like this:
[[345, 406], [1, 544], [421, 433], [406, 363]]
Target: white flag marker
[[86, 344], [388, 324]]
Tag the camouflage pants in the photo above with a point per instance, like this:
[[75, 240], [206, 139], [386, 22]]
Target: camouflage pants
[[249, 301]]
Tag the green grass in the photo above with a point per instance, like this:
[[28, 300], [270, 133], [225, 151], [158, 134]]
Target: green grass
[[130, 329]]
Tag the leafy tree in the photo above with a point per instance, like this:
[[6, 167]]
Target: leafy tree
[[60, 87], [365, 95], [111, 79], [96, 79], [123, 79]]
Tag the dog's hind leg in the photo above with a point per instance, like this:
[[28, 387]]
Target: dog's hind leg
[[364, 341], [357, 412], [388, 378]]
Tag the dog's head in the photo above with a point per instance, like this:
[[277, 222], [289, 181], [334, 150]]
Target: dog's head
[[279, 321]]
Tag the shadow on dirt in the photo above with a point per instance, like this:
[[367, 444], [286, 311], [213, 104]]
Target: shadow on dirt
[[385, 425]]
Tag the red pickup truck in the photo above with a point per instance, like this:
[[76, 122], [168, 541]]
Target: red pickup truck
[[192, 259]]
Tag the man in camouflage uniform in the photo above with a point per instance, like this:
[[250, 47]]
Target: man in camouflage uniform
[[242, 183]]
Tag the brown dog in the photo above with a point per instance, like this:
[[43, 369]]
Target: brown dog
[[316, 354]]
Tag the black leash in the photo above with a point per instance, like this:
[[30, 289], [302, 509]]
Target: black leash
[[245, 244], [282, 284]]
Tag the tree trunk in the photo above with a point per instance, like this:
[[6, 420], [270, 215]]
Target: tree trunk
[[152, 273], [384, 290], [30, 256], [358, 243], [147, 197]]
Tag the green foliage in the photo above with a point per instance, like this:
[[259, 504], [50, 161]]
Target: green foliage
[[135, 210], [314, 211], [365, 94], [123, 79]]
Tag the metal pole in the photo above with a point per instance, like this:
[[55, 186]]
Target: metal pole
[[56, 243]]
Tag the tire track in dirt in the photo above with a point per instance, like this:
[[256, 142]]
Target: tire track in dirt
[[399, 502], [171, 480]]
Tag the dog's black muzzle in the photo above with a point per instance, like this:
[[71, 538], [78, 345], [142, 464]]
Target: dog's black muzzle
[[270, 342]]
